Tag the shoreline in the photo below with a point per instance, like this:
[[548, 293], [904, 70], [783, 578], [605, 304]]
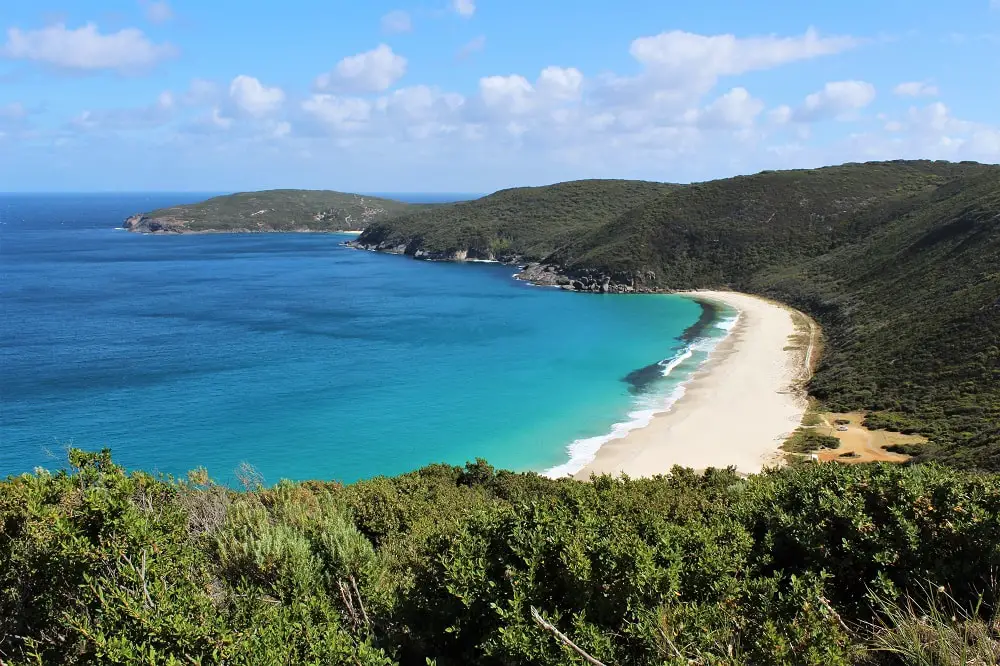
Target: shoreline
[[736, 410]]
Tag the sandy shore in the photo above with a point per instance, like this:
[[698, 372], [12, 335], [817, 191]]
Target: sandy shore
[[737, 410]]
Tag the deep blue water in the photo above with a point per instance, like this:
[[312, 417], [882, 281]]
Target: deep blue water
[[298, 355]]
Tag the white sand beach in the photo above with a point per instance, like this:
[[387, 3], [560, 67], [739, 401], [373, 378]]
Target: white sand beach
[[737, 410]]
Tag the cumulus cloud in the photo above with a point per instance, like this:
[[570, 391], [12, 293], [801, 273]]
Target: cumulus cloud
[[397, 21], [836, 100], [928, 132], [512, 93], [936, 118], [158, 12], [561, 83], [735, 109], [668, 122], [86, 48], [371, 71], [338, 113], [253, 98], [464, 8], [916, 89]]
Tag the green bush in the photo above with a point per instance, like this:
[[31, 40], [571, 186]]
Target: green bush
[[100, 566]]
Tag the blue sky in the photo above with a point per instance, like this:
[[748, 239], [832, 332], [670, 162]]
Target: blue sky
[[476, 95]]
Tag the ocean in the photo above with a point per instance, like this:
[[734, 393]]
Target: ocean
[[308, 359]]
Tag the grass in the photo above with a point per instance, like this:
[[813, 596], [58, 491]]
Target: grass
[[935, 630]]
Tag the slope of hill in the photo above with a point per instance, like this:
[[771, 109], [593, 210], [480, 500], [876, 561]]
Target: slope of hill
[[898, 261], [521, 223], [271, 210], [911, 311]]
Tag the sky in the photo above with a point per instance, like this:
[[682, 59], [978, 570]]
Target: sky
[[479, 95]]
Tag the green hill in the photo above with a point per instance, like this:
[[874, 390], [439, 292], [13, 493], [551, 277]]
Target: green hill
[[521, 223], [271, 210], [897, 260]]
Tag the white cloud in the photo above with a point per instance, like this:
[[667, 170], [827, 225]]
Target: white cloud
[[835, 100], [254, 98], [421, 103], [464, 8], [397, 21], [560, 83], [371, 71], [916, 89], [158, 12], [511, 93], [472, 46], [736, 109], [85, 48], [667, 122], [679, 56], [781, 114], [936, 118], [339, 113]]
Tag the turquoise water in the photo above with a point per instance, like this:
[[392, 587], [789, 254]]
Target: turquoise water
[[304, 358]]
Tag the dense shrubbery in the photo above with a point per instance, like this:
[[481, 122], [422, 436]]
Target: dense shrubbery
[[528, 222], [799, 566]]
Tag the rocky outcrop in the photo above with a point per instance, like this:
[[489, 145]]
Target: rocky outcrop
[[588, 280], [144, 224], [413, 249], [538, 273]]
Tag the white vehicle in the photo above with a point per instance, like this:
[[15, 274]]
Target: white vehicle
[[842, 428]]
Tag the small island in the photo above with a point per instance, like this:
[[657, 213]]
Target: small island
[[270, 211]]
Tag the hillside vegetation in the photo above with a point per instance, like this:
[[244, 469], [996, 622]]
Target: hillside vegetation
[[524, 223], [899, 261], [271, 210], [816, 565]]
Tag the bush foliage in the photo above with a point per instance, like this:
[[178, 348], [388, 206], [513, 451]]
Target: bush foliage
[[444, 565]]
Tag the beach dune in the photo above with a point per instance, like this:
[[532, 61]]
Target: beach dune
[[738, 409]]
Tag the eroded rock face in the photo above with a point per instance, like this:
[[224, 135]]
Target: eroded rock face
[[417, 252], [589, 281], [542, 274], [148, 225]]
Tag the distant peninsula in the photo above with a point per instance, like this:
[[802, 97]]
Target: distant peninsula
[[271, 211]]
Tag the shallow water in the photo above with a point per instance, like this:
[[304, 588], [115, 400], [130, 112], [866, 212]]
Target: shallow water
[[300, 356]]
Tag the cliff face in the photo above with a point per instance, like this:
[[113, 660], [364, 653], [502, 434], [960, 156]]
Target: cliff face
[[545, 274], [148, 225]]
